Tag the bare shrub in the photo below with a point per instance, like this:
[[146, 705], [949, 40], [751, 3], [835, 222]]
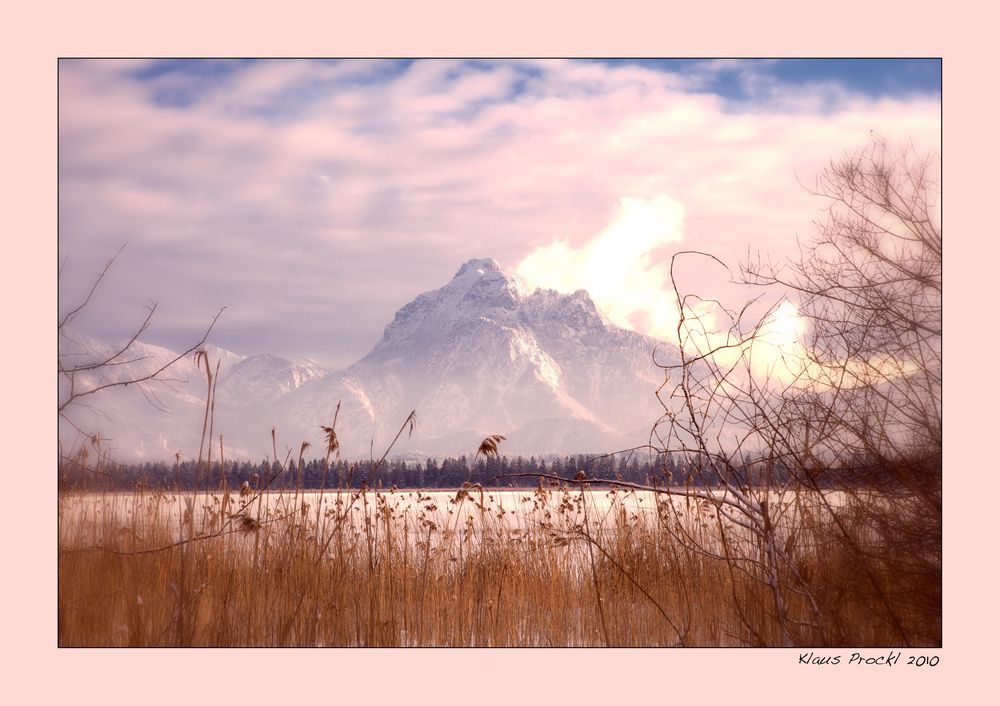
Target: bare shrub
[[853, 406]]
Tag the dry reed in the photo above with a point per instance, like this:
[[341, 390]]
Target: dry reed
[[410, 569]]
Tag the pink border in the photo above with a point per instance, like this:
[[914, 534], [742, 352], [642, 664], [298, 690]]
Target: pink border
[[40, 672]]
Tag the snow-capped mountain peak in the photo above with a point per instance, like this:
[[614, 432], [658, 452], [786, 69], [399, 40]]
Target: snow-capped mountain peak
[[477, 267], [483, 355], [268, 376], [479, 288]]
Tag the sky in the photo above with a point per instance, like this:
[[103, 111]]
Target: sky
[[313, 199]]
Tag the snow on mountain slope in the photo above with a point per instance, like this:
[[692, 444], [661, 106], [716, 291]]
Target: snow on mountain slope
[[266, 378], [482, 356], [143, 420], [479, 356]]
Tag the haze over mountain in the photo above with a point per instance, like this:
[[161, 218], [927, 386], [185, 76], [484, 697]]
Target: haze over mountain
[[479, 356]]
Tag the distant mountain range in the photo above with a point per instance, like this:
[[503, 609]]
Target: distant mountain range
[[478, 356]]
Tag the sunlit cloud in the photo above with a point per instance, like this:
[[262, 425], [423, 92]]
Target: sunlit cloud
[[626, 270], [617, 267]]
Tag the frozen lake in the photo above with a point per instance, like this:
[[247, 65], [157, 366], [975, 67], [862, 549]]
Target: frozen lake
[[550, 514]]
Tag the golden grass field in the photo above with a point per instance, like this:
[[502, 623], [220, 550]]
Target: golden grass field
[[559, 566]]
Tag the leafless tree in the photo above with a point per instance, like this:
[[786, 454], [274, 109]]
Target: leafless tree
[[85, 374], [854, 408], [869, 286]]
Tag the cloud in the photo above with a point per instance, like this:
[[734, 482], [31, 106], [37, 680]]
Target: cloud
[[634, 288], [617, 268], [316, 198]]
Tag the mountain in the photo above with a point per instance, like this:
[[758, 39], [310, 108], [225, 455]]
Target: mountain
[[479, 356], [139, 421], [265, 378]]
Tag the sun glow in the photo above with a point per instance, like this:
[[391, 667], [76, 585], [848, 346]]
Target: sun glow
[[625, 269], [616, 267]]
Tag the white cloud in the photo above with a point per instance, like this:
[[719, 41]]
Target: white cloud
[[425, 167], [617, 267]]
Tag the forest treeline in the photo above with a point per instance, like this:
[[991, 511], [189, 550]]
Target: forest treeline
[[443, 473], [447, 472]]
